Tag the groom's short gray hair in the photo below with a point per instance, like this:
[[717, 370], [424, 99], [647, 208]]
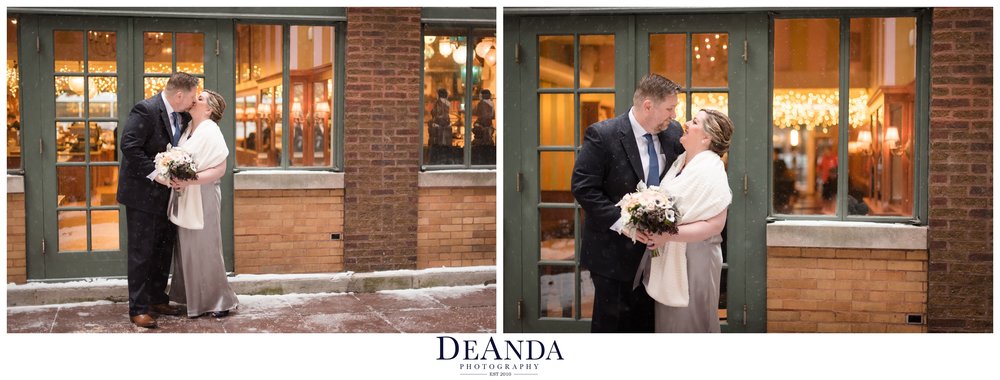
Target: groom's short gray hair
[[655, 87], [181, 81]]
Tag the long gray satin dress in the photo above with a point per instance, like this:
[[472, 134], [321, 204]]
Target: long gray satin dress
[[704, 271], [199, 272]]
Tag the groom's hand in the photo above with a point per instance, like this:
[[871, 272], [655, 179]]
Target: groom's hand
[[162, 181]]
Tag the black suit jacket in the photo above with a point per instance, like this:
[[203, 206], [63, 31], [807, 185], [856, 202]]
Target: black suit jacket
[[607, 168], [146, 133]]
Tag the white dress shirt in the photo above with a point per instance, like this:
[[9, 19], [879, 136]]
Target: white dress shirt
[[641, 143], [170, 116]]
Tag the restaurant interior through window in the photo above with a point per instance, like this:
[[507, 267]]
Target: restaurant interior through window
[[806, 118], [13, 99], [459, 105], [259, 103]]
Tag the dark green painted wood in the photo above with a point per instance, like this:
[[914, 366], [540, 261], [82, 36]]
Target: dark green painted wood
[[514, 122]]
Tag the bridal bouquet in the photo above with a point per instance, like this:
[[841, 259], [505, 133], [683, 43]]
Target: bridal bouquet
[[175, 163], [649, 210]]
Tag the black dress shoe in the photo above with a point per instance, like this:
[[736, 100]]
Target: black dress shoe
[[166, 309], [220, 314]]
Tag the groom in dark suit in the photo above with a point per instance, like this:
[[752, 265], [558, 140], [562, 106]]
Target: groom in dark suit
[[151, 125], [617, 153]]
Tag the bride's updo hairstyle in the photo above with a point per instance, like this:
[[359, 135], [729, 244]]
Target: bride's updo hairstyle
[[217, 104], [719, 128]]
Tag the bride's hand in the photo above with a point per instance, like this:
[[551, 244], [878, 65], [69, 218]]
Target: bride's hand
[[657, 241], [177, 185]]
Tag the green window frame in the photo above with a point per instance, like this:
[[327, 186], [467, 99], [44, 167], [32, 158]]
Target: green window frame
[[338, 76], [471, 30], [921, 113]]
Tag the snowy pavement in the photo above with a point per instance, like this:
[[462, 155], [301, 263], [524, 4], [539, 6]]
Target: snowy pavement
[[456, 309]]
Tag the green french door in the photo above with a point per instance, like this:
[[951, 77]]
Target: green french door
[[570, 72], [84, 79]]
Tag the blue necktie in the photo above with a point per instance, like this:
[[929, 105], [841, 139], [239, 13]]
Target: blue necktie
[[176, 138], [653, 179]]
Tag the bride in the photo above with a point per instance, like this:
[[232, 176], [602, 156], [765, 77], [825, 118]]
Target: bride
[[199, 278], [685, 280]]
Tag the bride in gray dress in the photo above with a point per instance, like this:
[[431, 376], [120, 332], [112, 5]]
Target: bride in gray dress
[[688, 288], [199, 278]]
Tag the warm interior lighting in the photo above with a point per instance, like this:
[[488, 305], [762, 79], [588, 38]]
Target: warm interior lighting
[[460, 54], [816, 108], [444, 47], [491, 57], [795, 138], [892, 135]]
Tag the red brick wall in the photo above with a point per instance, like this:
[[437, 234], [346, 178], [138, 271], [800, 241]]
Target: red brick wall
[[457, 227], [17, 270], [288, 231], [961, 171], [381, 138], [845, 290]]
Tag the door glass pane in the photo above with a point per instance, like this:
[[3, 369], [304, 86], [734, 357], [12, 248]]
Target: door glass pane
[[555, 173], [682, 108], [723, 308], [710, 60], [594, 108], [586, 295], [191, 53], [806, 112], [597, 61], [68, 50], [557, 228], [880, 167], [557, 291], [13, 98], [555, 61], [104, 230], [69, 97], [103, 96], [311, 55], [72, 231], [103, 185], [667, 57], [157, 51], [718, 101], [152, 85], [102, 48], [70, 141], [555, 119], [106, 148], [72, 186]]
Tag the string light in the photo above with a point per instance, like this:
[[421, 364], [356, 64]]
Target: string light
[[817, 108]]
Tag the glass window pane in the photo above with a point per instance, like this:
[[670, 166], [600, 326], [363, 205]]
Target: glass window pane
[[311, 58], [191, 53], [72, 186], [247, 136], [806, 109], [597, 61], [718, 101], [103, 96], [682, 108], [555, 119], [102, 48], [69, 97], [106, 147], [557, 234], [880, 150], [445, 54], [667, 57], [68, 49], [13, 98], [484, 83], [555, 170], [70, 141], [586, 295], [555, 61], [594, 108], [260, 77], [556, 285], [103, 185], [710, 60], [152, 85], [104, 230], [72, 230], [157, 49]]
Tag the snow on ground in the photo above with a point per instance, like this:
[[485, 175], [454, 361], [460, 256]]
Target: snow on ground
[[438, 292], [30, 308]]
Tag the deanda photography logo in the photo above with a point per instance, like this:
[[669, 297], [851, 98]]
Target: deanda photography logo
[[494, 357]]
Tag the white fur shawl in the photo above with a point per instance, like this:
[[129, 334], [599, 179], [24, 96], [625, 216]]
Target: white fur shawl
[[208, 148], [701, 192]]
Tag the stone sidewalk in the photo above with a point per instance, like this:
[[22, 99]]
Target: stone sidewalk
[[452, 309]]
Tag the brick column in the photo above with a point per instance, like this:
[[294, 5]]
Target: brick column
[[960, 297], [381, 138], [17, 268]]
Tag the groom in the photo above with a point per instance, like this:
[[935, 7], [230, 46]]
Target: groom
[[617, 153], [151, 125]]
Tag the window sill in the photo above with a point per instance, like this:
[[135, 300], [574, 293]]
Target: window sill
[[15, 184], [458, 178], [864, 235], [287, 180]]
